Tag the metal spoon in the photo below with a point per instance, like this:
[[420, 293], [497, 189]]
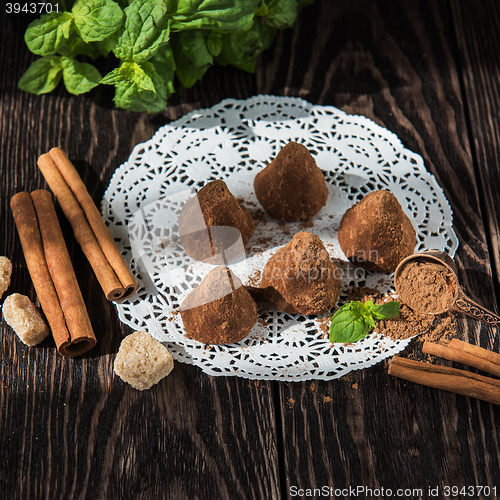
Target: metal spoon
[[461, 302]]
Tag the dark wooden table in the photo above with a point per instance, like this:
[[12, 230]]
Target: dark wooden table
[[429, 71]]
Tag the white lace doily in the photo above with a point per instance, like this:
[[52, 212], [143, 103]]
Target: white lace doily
[[232, 141]]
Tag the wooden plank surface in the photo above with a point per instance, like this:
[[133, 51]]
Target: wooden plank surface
[[429, 72], [477, 29]]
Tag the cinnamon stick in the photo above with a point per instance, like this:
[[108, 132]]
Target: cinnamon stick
[[446, 378], [90, 230], [490, 356], [463, 354], [52, 273], [31, 242]]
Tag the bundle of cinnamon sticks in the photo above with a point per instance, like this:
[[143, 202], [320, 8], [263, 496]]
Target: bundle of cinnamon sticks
[[89, 229], [52, 272], [452, 379], [47, 257]]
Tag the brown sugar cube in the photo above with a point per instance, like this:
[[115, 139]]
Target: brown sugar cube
[[142, 361], [5, 274], [23, 317]]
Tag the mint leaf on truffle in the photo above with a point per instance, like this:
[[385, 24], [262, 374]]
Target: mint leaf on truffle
[[353, 321]]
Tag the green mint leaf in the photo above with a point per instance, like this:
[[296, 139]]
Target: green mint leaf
[[96, 20], [79, 77], [214, 43], [242, 48], [164, 64], [280, 13], [228, 15], [386, 311], [262, 9], [118, 75], [138, 87], [46, 35], [131, 98], [130, 72], [369, 305], [105, 47], [367, 316], [354, 320], [348, 324], [191, 54], [75, 46], [146, 29], [42, 76]]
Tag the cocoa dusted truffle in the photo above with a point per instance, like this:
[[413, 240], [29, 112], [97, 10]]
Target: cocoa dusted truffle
[[376, 234], [292, 187], [220, 310], [212, 223], [300, 277]]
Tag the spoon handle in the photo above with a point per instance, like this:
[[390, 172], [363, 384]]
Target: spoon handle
[[468, 306]]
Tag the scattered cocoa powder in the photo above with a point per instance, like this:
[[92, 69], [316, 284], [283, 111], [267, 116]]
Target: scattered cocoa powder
[[443, 329], [254, 279], [426, 286], [284, 228], [324, 326], [363, 293], [262, 322], [404, 326], [307, 224], [410, 323]]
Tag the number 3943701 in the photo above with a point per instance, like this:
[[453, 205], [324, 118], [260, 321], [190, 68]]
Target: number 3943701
[[31, 8]]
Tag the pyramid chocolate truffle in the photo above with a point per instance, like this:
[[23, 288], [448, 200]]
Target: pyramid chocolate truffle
[[213, 226], [301, 278], [292, 187], [220, 310], [376, 234]]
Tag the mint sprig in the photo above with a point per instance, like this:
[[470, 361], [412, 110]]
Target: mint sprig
[[153, 41], [353, 321]]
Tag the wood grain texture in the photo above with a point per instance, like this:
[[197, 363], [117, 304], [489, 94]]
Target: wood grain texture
[[429, 72], [479, 54]]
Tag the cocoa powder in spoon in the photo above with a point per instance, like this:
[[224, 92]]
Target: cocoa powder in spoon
[[427, 287]]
